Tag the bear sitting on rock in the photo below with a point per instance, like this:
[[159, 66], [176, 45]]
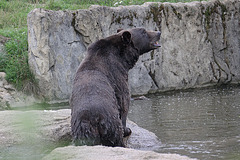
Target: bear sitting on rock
[[100, 96]]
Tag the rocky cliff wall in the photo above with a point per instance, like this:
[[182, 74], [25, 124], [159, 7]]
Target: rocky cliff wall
[[200, 44]]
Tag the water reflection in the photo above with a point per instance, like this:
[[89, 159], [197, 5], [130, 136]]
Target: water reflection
[[202, 124]]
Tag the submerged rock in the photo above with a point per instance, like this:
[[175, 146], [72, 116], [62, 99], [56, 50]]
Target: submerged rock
[[142, 138]]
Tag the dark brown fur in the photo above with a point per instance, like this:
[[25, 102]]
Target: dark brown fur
[[100, 97]]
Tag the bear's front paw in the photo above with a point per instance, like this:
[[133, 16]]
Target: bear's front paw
[[127, 132]]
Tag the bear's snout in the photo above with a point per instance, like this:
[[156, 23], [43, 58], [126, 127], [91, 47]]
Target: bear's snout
[[158, 34], [155, 37]]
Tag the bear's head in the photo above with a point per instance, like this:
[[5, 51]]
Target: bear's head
[[144, 41], [128, 45]]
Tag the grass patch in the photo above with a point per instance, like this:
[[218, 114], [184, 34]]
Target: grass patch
[[14, 61], [13, 24], [13, 13]]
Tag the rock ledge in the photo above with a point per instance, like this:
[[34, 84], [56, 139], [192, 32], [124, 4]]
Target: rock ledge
[[105, 153]]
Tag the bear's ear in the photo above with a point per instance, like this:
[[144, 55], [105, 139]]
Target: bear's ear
[[126, 37], [119, 30]]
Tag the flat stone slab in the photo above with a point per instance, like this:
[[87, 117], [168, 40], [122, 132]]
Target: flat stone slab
[[108, 153]]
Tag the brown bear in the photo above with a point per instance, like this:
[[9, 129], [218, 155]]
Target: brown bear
[[100, 96]]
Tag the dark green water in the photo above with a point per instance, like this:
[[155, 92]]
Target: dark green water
[[203, 124]]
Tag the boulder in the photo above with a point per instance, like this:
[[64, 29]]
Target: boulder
[[104, 153], [200, 44], [10, 97]]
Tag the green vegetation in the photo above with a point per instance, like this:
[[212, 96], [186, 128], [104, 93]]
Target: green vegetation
[[13, 24], [15, 61]]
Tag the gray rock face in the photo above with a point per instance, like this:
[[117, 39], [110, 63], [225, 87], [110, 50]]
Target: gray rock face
[[55, 51], [200, 44]]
